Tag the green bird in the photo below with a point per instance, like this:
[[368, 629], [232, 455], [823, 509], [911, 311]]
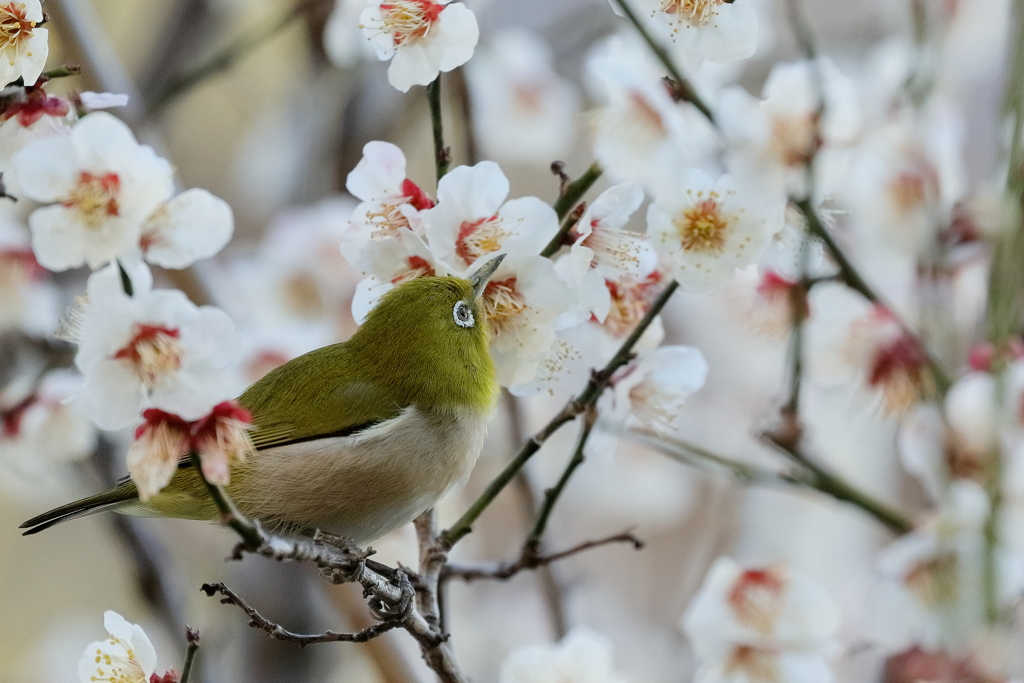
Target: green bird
[[356, 438]]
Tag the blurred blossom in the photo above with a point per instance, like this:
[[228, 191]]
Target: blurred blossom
[[706, 229], [23, 44], [654, 388], [640, 133], [153, 349], [28, 298], [126, 656], [389, 200], [761, 624], [523, 111], [582, 656], [37, 115], [422, 38], [721, 31], [850, 339], [40, 429], [192, 226], [930, 593], [774, 137], [104, 184], [905, 181], [344, 41]]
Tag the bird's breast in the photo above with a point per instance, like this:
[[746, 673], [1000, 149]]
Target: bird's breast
[[365, 485]]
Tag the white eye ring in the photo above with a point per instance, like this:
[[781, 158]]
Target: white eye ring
[[463, 316]]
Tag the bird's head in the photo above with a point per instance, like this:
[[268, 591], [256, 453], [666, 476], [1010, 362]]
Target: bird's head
[[433, 331]]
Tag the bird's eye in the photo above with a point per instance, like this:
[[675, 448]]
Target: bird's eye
[[463, 316]]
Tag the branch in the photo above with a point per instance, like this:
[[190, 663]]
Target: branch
[[226, 58], [442, 155], [599, 381], [682, 87], [250, 533], [258, 621], [571, 193], [786, 442], [526, 561]]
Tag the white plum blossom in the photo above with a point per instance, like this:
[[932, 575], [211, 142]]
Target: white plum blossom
[[390, 262], [192, 226], [705, 229], [721, 31], [472, 218], [126, 656], [102, 185], [23, 45], [640, 133], [652, 390], [583, 656], [775, 137], [761, 625], [422, 38], [389, 200], [154, 349], [523, 111]]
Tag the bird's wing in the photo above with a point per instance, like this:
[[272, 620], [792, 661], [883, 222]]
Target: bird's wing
[[317, 395]]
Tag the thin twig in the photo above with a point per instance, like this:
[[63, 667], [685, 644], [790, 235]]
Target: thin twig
[[526, 562], [191, 650], [442, 155], [599, 381], [258, 621], [682, 87], [226, 57], [571, 193]]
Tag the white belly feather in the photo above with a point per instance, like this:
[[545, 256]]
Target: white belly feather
[[367, 485]]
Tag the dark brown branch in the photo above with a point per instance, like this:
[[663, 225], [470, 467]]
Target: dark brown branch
[[258, 621], [529, 561], [191, 650]]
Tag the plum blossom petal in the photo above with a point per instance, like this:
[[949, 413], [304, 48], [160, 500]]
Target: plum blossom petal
[[126, 656], [192, 226], [583, 656], [654, 389], [103, 100]]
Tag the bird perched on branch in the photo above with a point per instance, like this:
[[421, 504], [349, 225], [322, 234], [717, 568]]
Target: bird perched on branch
[[356, 438]]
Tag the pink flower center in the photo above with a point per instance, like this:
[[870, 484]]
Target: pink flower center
[[703, 228], [757, 598], [409, 20], [792, 139], [36, 105], [502, 302], [14, 27], [154, 352], [914, 190], [95, 197], [388, 218], [630, 301], [417, 267], [477, 238]]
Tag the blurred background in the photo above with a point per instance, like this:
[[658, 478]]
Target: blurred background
[[275, 134]]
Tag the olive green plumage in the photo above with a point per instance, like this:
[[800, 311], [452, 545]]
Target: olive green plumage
[[411, 354]]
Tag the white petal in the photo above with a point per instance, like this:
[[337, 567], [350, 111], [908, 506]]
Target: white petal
[[413, 64], [734, 34], [532, 222], [379, 173], [33, 55], [192, 226], [57, 238], [456, 27], [112, 395], [46, 168]]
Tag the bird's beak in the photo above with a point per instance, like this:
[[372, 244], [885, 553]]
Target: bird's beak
[[483, 273]]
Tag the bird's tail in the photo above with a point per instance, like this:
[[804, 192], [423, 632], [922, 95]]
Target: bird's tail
[[124, 492]]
